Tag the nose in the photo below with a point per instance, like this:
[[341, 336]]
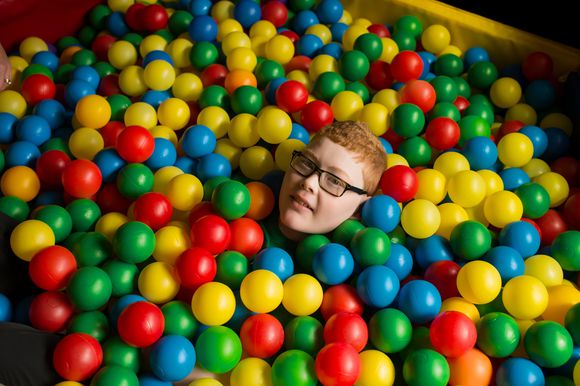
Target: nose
[[310, 183]]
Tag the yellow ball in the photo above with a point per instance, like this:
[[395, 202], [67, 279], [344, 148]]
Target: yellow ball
[[390, 50], [229, 150], [302, 77], [502, 208], [576, 375], [274, 125], [396, 159], [388, 98], [152, 43], [556, 186], [29, 237], [85, 143], [346, 18], [170, 242], [120, 5], [108, 224], [362, 22], [141, 114], [21, 182], [184, 191], [460, 305], [223, 10], [435, 38], [213, 303], [251, 372], [132, 81], [466, 188], [241, 58], [173, 113], [165, 132], [320, 64], [431, 185], [451, 215], [12, 102], [420, 218], [525, 297], [187, 86], [505, 92], [320, 30], [522, 112], [243, 131], [235, 39], [558, 120], [545, 268], [280, 48], [69, 383], [493, 181], [451, 49], [93, 111], [376, 116], [478, 282], [450, 163], [207, 381], [350, 36], [376, 369], [179, 50], [158, 282], [256, 162], [261, 291], [515, 150], [216, 118], [258, 44], [263, 28], [302, 294], [476, 213], [159, 75], [162, 177], [122, 54], [560, 299], [536, 167], [346, 106], [283, 154], [31, 46]]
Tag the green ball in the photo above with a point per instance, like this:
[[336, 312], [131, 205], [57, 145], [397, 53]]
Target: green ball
[[496, 305], [304, 333], [482, 74], [134, 180], [104, 69], [371, 246], [548, 344], [410, 24], [2, 161], [398, 235], [84, 214], [232, 267], [165, 34], [65, 42], [34, 69], [214, 95], [426, 367], [134, 38], [327, 85], [62, 74], [86, 36], [210, 185], [407, 120], [14, 207], [300, 5], [566, 250], [94, 323], [119, 103], [70, 242], [246, 99], [98, 16], [370, 45], [360, 89], [344, 233], [354, 65], [231, 199], [498, 334], [179, 22], [445, 88], [89, 288], [405, 40], [115, 375], [472, 126], [463, 88], [535, 199], [84, 57], [559, 380], [416, 151], [56, 143], [448, 65], [123, 276], [179, 319], [267, 70], [134, 242], [92, 249], [390, 330], [572, 323], [307, 248], [446, 110], [203, 54], [420, 339], [218, 349], [293, 368], [470, 240], [482, 110], [118, 353]]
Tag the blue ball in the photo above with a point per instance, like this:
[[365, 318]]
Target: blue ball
[[203, 28], [400, 261], [420, 301], [521, 236], [329, 11], [474, 55], [5, 309], [399, 85], [200, 7], [513, 178], [247, 12], [386, 145], [49, 197], [538, 137], [300, 133], [519, 372], [481, 152], [116, 24], [337, 30], [304, 19], [540, 94], [276, 260], [213, 165], [432, 249], [198, 141], [186, 164], [241, 313], [121, 304], [75, 90], [333, 264], [164, 154], [332, 49], [381, 211], [155, 97], [34, 129], [428, 59], [7, 126], [271, 87], [513, 71], [274, 180], [152, 380], [309, 45], [46, 59], [377, 286], [558, 144], [109, 163], [88, 74], [51, 110], [156, 55], [508, 262], [172, 358], [21, 153]]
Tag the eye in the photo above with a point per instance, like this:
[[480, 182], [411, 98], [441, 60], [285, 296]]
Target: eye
[[334, 181]]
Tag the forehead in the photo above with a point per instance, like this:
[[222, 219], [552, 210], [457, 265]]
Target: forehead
[[335, 158]]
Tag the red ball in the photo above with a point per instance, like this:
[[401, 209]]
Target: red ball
[[508, 127], [50, 311], [461, 103], [347, 327], [572, 211], [77, 356], [551, 224], [275, 12], [153, 209], [337, 364], [154, 17], [442, 133], [212, 233], [49, 167], [111, 200], [393, 138], [420, 93], [262, 335], [443, 275], [213, 74], [195, 267], [315, 115], [81, 178], [341, 298], [379, 76], [452, 333], [133, 17], [140, 324], [110, 85], [110, 132], [569, 168], [247, 236], [291, 96], [37, 87], [135, 144], [380, 30], [299, 62], [406, 66], [538, 65], [200, 210], [293, 36], [101, 45], [399, 182], [52, 267], [528, 220]]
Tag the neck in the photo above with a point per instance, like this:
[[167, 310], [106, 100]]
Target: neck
[[290, 234]]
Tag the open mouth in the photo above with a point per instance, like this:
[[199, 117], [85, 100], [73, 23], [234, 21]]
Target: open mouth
[[301, 203]]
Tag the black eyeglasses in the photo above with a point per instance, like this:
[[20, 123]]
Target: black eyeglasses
[[327, 181]]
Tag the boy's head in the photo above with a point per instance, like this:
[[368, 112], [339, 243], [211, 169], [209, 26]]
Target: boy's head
[[329, 180]]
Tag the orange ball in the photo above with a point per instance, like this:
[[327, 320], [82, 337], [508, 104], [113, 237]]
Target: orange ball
[[470, 369], [67, 54], [261, 200], [237, 78]]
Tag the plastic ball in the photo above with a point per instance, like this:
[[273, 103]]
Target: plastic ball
[[261, 291], [520, 371], [291, 96], [452, 334], [211, 232], [424, 367], [21, 182], [184, 191], [261, 200], [381, 212], [419, 300], [376, 369], [561, 299], [479, 282], [218, 349], [30, 237], [515, 150], [89, 288], [50, 311], [172, 358], [525, 297], [254, 371], [158, 282], [195, 266], [36, 88], [293, 367], [84, 214], [280, 49], [340, 298], [473, 367], [247, 237], [407, 120], [315, 115], [140, 324], [420, 218], [135, 144], [506, 260], [556, 186], [377, 285], [337, 364], [276, 260], [77, 357], [399, 182], [52, 267], [346, 328], [333, 264], [522, 236], [466, 188], [346, 105], [174, 113], [565, 249], [548, 344], [502, 208], [535, 199], [262, 335]]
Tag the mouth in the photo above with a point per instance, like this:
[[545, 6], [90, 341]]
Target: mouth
[[300, 203]]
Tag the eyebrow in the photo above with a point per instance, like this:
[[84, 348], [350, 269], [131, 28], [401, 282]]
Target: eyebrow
[[332, 169]]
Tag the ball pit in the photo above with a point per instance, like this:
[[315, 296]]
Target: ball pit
[[143, 159]]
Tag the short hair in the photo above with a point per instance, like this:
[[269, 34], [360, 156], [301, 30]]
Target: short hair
[[356, 137]]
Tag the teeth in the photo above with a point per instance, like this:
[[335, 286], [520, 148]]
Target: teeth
[[304, 204]]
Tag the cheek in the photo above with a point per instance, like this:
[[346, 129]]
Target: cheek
[[332, 213]]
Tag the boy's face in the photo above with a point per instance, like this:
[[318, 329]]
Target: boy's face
[[323, 211]]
